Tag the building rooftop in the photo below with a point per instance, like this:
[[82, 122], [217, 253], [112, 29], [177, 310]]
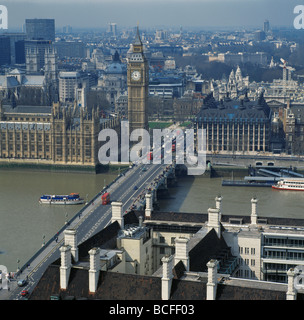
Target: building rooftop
[[28, 109], [231, 109], [203, 246]]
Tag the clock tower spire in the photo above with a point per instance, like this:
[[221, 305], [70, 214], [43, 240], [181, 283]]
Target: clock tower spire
[[138, 85]]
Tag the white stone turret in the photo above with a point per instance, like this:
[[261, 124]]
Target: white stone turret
[[291, 290], [254, 215], [149, 205], [167, 277], [65, 268], [117, 213], [218, 205], [140, 221], [70, 238], [182, 252], [94, 269], [212, 279], [214, 221]]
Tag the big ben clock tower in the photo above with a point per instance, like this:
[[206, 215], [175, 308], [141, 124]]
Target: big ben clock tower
[[138, 86]]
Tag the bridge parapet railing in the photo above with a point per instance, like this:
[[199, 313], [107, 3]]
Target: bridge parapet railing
[[67, 225]]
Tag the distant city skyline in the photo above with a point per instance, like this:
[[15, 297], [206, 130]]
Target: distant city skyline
[[154, 13]]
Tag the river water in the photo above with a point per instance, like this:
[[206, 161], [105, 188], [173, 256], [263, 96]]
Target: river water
[[24, 223], [198, 194]]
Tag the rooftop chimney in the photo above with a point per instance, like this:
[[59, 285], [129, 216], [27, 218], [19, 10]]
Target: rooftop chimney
[[70, 238], [65, 268], [94, 269], [167, 277], [291, 290], [140, 221], [218, 205], [149, 205], [182, 252], [214, 220], [254, 215], [212, 279], [117, 213]]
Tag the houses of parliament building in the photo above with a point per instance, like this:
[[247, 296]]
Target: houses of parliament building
[[67, 136], [55, 135]]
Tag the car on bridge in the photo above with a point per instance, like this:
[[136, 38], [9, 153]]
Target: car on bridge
[[24, 293], [22, 283]]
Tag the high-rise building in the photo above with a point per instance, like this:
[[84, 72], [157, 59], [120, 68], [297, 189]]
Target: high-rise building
[[67, 29], [259, 35], [5, 50], [40, 29], [266, 26], [68, 83], [138, 85], [17, 50], [112, 29]]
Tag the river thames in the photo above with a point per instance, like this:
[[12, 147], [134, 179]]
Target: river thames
[[25, 224]]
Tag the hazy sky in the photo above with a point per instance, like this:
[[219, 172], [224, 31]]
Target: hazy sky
[[149, 13]]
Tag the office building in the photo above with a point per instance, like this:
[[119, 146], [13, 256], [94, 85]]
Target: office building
[[40, 29], [235, 124], [5, 51], [70, 49], [112, 29], [235, 59], [17, 47], [266, 26], [68, 82], [259, 35], [67, 29], [19, 57]]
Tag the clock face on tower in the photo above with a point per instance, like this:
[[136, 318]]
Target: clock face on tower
[[135, 75]]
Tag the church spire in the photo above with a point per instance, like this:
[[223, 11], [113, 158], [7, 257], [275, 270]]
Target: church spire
[[116, 57]]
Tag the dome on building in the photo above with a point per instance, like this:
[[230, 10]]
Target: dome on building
[[116, 67]]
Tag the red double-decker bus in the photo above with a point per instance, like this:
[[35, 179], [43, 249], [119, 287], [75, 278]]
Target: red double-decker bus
[[105, 198]]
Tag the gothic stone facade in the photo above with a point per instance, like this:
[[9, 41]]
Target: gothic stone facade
[[138, 86], [50, 135]]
